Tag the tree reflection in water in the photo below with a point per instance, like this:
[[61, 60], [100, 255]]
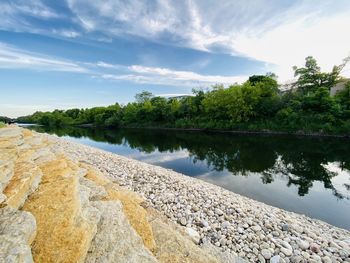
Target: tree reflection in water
[[301, 160]]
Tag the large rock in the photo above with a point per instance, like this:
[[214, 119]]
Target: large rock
[[63, 232], [10, 137], [10, 132], [135, 213], [173, 247], [17, 231], [116, 241], [24, 182], [6, 173]]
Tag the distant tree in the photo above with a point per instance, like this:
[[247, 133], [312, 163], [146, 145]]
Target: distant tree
[[143, 96], [269, 79], [73, 113], [310, 77], [4, 119]]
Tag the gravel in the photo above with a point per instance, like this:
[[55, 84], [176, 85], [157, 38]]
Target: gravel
[[253, 230]]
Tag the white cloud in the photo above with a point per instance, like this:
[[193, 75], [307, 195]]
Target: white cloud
[[14, 58], [18, 15], [272, 31], [281, 33], [164, 76], [66, 33], [179, 76], [34, 8], [11, 57], [327, 39]]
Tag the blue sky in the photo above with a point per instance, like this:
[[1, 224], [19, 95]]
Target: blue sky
[[83, 53]]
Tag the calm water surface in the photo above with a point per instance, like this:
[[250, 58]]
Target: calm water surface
[[301, 174]]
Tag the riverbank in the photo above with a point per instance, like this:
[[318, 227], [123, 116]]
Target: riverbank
[[55, 208], [266, 132], [255, 231]]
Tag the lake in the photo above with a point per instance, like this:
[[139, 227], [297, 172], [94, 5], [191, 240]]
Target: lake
[[307, 175]]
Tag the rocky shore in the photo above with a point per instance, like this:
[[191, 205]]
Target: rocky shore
[[55, 208], [254, 231], [66, 202]]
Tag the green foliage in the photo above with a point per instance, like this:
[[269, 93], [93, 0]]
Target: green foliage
[[311, 78], [5, 119], [143, 96], [255, 105], [343, 98], [2, 124]]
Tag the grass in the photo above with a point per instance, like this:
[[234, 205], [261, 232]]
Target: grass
[[2, 124]]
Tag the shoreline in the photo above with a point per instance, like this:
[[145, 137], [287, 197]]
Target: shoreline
[[243, 132], [252, 229], [297, 134]]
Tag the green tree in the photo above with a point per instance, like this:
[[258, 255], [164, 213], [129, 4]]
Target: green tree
[[143, 96], [310, 77], [343, 98]]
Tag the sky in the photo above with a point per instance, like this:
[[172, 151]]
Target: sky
[[85, 53]]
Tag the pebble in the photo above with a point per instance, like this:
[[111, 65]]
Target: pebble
[[225, 224], [261, 259], [256, 228], [219, 212], [314, 247], [296, 259], [326, 259], [183, 221], [285, 227], [266, 253], [193, 234], [204, 223], [275, 259], [303, 244], [195, 208]]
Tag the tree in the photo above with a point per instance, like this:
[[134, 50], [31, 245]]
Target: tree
[[73, 113], [310, 77], [267, 90], [269, 80], [343, 97], [143, 96]]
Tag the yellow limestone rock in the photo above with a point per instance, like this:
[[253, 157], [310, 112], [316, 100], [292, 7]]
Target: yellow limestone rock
[[63, 234], [6, 172], [116, 241], [24, 182], [135, 213], [27, 133], [173, 247], [10, 137], [7, 167]]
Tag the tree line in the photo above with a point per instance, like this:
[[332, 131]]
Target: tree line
[[257, 104]]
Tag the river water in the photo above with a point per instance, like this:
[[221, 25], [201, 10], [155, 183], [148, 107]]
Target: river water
[[306, 175]]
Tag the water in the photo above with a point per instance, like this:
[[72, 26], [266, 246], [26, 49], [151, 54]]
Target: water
[[301, 174]]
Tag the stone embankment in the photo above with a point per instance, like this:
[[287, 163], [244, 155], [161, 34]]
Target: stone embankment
[[211, 215], [58, 208]]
